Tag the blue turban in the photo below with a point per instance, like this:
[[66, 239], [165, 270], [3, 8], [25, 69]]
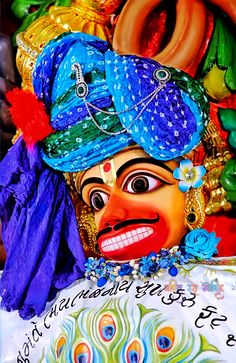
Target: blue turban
[[121, 89]]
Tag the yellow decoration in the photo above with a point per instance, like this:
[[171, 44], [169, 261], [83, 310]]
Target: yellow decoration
[[215, 85], [194, 208], [217, 157]]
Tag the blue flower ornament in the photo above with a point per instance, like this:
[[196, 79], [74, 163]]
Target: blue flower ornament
[[200, 243], [189, 175]]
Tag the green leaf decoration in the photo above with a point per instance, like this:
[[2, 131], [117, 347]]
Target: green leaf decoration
[[205, 345], [143, 310], [20, 8], [222, 52], [228, 181], [228, 119]]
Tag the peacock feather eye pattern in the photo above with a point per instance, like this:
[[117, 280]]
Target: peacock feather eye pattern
[[134, 352], [60, 344], [82, 353], [119, 332], [107, 327], [165, 339]]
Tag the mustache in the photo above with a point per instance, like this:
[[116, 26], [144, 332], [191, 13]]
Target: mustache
[[129, 222]]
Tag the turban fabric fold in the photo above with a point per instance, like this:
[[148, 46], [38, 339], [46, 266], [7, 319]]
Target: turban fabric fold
[[170, 125]]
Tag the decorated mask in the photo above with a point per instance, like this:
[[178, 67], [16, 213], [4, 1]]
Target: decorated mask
[[126, 132], [137, 205]]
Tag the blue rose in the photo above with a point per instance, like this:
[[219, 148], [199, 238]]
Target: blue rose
[[164, 263], [126, 269], [201, 243], [153, 268], [164, 252]]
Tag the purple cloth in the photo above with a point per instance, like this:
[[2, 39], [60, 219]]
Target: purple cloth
[[39, 230]]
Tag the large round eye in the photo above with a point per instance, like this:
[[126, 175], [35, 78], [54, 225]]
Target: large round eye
[[141, 183], [98, 199]]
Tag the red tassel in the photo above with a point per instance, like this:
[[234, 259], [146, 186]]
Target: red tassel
[[29, 115]]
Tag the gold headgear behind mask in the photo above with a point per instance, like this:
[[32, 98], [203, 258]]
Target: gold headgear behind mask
[[88, 16], [84, 216]]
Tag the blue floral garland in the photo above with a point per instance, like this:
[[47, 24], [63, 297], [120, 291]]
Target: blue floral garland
[[102, 271], [198, 244]]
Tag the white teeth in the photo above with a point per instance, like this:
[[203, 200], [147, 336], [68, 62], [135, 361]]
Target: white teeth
[[126, 239], [126, 242]]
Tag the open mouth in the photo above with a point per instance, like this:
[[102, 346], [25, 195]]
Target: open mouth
[[126, 239]]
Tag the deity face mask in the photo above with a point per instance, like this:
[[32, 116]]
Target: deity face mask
[[90, 103], [137, 204]]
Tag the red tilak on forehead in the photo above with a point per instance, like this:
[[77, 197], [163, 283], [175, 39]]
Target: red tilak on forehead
[[107, 167], [108, 172]]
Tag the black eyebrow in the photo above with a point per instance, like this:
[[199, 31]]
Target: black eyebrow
[[89, 181], [142, 160], [125, 166]]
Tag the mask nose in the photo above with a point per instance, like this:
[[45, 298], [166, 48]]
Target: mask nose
[[116, 211]]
